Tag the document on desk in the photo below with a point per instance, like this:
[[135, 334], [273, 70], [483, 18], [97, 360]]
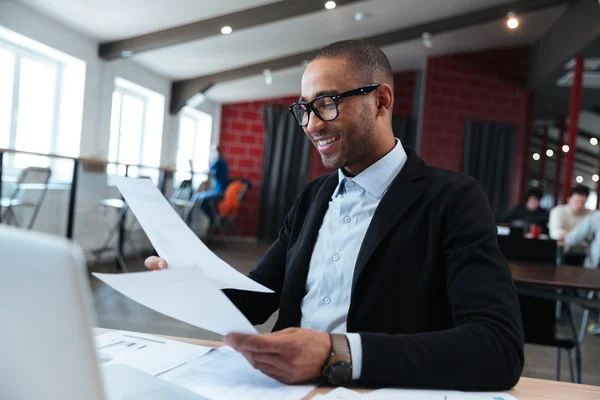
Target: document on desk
[[340, 393], [184, 293], [174, 240], [148, 353], [224, 374], [418, 394]]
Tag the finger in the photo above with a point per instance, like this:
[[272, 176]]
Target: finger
[[274, 372], [154, 262], [274, 360], [254, 343]]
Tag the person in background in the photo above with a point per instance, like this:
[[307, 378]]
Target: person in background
[[588, 230], [529, 213], [218, 178], [566, 217]]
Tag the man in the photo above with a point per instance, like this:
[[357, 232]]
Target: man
[[529, 213], [566, 217], [218, 177], [588, 230], [386, 272]]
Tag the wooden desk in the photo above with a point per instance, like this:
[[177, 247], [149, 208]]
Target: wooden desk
[[526, 389], [556, 276]]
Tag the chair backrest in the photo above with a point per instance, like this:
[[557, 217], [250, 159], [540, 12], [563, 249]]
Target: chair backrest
[[31, 175], [538, 315]]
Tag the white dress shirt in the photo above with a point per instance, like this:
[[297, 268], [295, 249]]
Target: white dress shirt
[[563, 220], [329, 281]]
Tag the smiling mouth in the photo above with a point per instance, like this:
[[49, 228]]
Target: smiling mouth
[[330, 140]]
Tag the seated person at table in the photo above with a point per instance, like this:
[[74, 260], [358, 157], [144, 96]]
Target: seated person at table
[[218, 177], [566, 217], [387, 271], [527, 214], [588, 230]]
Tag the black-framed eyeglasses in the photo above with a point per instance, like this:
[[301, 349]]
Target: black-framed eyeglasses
[[326, 107]]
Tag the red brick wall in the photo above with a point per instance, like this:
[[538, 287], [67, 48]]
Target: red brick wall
[[242, 140], [488, 86]]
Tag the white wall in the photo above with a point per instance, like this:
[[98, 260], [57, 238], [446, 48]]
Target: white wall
[[95, 129]]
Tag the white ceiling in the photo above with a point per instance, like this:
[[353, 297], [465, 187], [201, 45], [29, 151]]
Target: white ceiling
[[106, 20], [405, 56]]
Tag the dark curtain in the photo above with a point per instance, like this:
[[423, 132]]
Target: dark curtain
[[488, 155], [285, 169], [405, 129]]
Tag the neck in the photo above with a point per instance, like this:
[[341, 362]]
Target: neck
[[384, 146]]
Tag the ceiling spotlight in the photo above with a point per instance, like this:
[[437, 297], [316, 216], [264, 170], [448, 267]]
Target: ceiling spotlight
[[427, 40], [360, 16], [512, 22], [268, 74], [330, 5], [226, 30], [536, 156], [305, 63], [595, 178], [126, 53], [565, 148], [549, 152], [579, 179], [594, 141]]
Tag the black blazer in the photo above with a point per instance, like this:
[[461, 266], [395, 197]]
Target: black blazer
[[432, 298]]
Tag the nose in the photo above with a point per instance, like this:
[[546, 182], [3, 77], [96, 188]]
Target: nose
[[315, 124]]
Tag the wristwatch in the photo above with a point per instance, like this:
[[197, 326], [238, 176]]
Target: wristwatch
[[338, 368]]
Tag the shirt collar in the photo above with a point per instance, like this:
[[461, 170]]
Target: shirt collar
[[378, 177]]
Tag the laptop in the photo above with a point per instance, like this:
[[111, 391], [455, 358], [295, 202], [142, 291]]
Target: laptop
[[46, 346]]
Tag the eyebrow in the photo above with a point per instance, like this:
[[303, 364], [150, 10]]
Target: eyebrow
[[321, 93]]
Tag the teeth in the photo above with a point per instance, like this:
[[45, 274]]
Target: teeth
[[327, 141]]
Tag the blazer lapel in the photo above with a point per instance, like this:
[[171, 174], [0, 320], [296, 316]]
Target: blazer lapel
[[398, 199]]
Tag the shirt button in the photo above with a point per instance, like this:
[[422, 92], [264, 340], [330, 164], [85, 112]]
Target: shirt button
[[327, 300], [336, 258], [346, 219], [351, 184]]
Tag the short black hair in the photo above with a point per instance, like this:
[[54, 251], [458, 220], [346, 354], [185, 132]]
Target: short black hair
[[580, 190], [370, 63], [534, 192]]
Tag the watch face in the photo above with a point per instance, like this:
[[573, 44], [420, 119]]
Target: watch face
[[339, 373]]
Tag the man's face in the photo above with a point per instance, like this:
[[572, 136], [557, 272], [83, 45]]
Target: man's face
[[533, 203], [577, 203], [350, 138]]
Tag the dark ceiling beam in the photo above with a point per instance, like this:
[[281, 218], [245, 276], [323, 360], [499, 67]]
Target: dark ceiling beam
[[212, 27], [569, 35], [183, 90]]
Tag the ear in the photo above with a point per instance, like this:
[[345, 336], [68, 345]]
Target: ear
[[385, 100]]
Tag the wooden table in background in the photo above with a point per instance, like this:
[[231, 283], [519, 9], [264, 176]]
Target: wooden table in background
[[526, 389]]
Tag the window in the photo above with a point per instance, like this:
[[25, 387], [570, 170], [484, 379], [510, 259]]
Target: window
[[41, 104], [135, 130], [195, 131]]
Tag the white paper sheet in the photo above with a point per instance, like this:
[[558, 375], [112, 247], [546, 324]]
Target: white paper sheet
[[417, 394], [340, 393], [151, 354], [174, 240], [184, 293], [225, 374]]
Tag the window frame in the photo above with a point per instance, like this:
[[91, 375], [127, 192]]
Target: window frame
[[19, 54]]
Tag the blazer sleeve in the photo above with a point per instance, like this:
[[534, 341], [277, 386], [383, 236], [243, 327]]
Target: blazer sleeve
[[270, 272], [484, 348]]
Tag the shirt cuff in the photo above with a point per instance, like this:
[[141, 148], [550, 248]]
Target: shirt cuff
[[356, 353]]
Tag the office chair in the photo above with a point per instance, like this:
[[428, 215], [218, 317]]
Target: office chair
[[31, 178], [224, 223]]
